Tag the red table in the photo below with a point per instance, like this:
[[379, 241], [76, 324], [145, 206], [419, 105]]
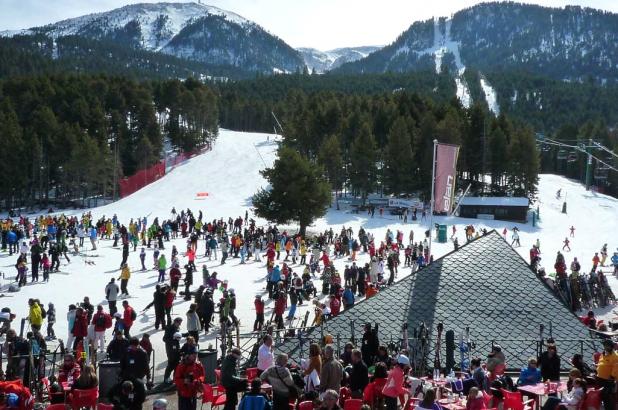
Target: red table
[[538, 390], [457, 405]]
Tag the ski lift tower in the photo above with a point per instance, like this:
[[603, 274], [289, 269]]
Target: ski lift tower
[[589, 165]]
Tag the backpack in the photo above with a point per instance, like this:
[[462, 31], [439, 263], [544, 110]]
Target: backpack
[[100, 321], [133, 314], [43, 312]]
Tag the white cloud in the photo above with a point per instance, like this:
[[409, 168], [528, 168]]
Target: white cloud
[[323, 24]]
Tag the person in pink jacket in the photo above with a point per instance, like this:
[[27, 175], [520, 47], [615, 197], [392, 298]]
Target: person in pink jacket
[[393, 388]]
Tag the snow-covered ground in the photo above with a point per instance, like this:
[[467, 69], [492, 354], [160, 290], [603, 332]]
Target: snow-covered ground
[[230, 175]]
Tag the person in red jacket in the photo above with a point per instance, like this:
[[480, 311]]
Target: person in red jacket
[[335, 306], [188, 378], [280, 305], [325, 259], [80, 327], [170, 295], [191, 256], [175, 276], [101, 321], [128, 317], [69, 371], [270, 253], [259, 313], [393, 387]]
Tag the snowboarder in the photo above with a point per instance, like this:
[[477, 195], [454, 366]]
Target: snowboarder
[[566, 244]]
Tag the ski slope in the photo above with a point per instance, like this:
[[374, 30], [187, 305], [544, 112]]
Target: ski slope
[[230, 175]]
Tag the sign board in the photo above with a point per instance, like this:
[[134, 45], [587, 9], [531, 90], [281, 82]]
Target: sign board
[[404, 203]]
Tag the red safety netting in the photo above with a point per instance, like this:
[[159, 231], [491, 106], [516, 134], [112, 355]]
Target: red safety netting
[[173, 162], [141, 178]]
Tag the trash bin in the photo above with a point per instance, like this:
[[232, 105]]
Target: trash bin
[[208, 358], [109, 376], [442, 237]]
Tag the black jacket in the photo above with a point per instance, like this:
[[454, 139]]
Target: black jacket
[[134, 364], [117, 349], [359, 377], [550, 366], [122, 401]]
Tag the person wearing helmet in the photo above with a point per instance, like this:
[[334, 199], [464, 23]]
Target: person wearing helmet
[[394, 382], [159, 404]]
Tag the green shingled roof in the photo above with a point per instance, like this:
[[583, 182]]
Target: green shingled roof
[[485, 285]]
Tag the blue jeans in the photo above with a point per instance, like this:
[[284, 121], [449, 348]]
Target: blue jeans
[[292, 311]]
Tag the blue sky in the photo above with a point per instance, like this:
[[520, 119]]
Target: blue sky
[[322, 24]]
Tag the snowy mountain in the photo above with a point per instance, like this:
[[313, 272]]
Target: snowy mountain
[[187, 30], [323, 61], [567, 44]]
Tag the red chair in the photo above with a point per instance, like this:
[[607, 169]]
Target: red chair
[[514, 401], [305, 405], [592, 400], [209, 396], [103, 406], [344, 394], [84, 398], [352, 404], [251, 373]]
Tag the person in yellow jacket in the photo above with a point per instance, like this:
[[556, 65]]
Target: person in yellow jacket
[[607, 374], [303, 253], [125, 275], [35, 315]]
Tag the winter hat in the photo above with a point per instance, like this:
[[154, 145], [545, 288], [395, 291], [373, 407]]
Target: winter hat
[[159, 404], [117, 315], [402, 359], [177, 336]]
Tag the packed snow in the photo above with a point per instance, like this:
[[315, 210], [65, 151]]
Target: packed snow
[[490, 96], [229, 174]]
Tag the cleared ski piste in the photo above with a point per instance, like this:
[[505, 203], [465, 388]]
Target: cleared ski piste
[[230, 175]]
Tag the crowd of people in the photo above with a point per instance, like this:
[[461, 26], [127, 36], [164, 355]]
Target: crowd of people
[[292, 264]]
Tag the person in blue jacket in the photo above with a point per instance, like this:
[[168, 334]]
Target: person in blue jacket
[[11, 237], [615, 262], [348, 297], [529, 375]]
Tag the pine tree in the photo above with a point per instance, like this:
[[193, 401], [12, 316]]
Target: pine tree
[[297, 191], [330, 159], [399, 159], [363, 158]]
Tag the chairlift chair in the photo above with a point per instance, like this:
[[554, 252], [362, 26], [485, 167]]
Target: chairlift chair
[[572, 157], [600, 173]]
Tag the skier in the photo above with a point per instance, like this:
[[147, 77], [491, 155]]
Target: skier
[[142, 258], [603, 255], [161, 265], [259, 313], [51, 319], [101, 321], [566, 244], [125, 275], [515, 237], [572, 230], [595, 261], [111, 294], [615, 263]]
